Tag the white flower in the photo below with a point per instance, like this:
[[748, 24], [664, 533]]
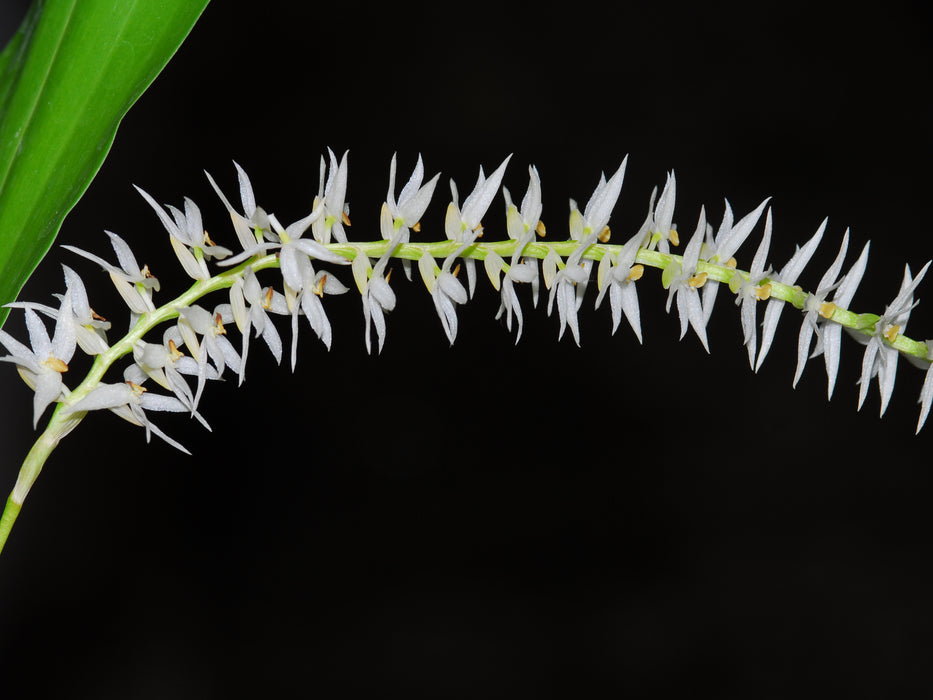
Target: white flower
[[314, 286], [830, 340], [880, 359], [522, 272], [564, 290], [522, 226], [462, 226], [587, 228], [197, 321], [374, 288], [595, 216], [42, 365], [618, 277], [165, 364], [189, 240], [445, 291], [658, 227], [250, 303], [134, 283], [406, 212], [461, 221], [509, 303], [90, 329], [332, 194], [465, 225], [527, 220], [302, 285], [414, 198], [295, 252], [253, 217], [788, 276], [750, 291], [816, 307], [682, 282], [378, 298], [131, 401], [721, 247]]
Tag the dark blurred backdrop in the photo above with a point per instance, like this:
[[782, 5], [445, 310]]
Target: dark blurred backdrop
[[492, 520]]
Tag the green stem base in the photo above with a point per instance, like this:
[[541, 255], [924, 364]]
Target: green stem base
[[7, 519]]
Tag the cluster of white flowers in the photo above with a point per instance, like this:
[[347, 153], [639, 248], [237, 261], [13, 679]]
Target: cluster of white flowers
[[194, 347]]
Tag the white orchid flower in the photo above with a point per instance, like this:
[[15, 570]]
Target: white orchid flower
[[722, 246], [830, 340], [683, 283], [130, 401], [41, 366], [816, 309], [332, 195], [880, 359], [522, 226], [464, 225], [192, 246], [788, 275], [197, 321], [748, 292], [250, 304], [618, 277], [658, 227], [250, 225], [378, 297], [569, 284], [412, 202], [90, 329], [135, 284]]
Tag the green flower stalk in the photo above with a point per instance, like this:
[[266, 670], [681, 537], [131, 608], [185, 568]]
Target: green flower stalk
[[195, 348]]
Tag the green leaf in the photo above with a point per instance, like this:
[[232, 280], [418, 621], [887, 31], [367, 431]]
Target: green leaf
[[67, 78]]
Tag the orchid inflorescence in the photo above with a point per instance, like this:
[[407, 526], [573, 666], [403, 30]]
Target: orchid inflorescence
[[692, 280]]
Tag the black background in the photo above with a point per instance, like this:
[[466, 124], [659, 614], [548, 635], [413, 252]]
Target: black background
[[486, 520]]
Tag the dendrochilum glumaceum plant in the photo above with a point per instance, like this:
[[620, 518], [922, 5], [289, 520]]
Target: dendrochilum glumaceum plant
[[177, 347]]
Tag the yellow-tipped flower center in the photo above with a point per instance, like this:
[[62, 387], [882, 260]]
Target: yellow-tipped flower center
[[174, 351], [55, 364], [698, 281], [319, 287]]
